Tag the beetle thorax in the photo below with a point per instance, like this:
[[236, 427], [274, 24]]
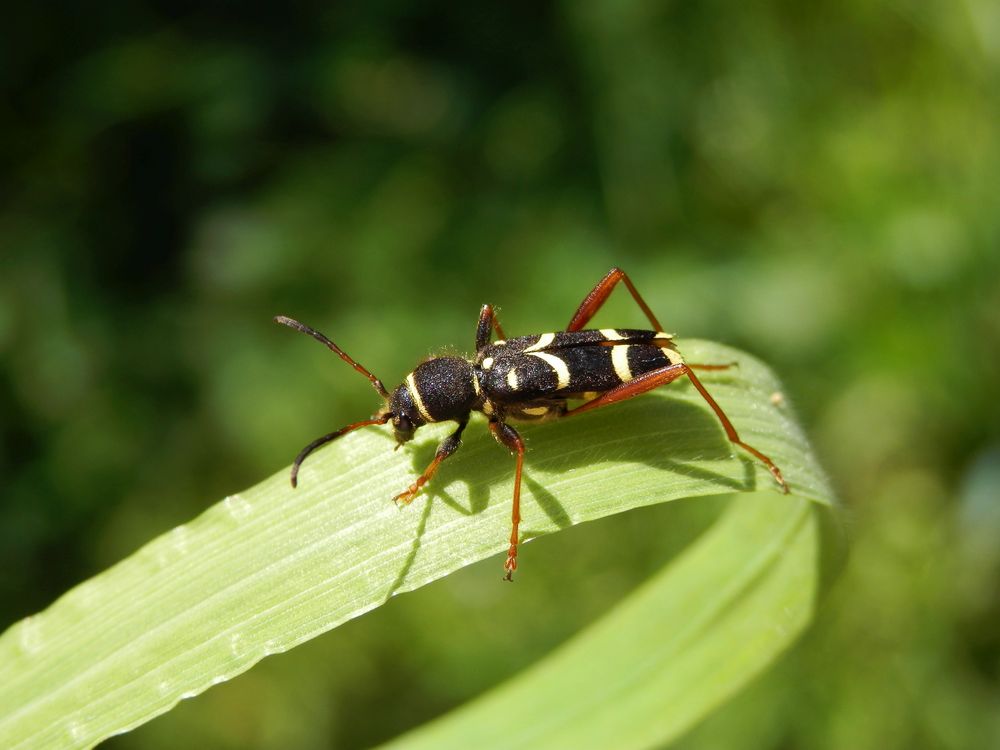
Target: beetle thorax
[[439, 389]]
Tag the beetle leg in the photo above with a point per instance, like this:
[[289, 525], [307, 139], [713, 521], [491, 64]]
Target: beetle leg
[[487, 321], [599, 295], [448, 446], [654, 379], [508, 436]]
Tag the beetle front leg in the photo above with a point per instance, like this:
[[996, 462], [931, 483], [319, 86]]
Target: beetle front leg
[[448, 446], [508, 436]]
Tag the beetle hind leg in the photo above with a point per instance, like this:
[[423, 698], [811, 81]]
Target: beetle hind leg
[[654, 379], [599, 295]]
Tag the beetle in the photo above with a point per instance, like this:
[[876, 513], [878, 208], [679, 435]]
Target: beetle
[[528, 379]]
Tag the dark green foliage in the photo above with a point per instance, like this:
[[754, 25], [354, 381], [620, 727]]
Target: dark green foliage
[[815, 183]]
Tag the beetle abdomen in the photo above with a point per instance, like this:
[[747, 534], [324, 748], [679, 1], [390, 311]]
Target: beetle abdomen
[[568, 363]]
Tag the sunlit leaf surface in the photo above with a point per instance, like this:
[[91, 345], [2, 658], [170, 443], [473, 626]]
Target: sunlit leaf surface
[[269, 568]]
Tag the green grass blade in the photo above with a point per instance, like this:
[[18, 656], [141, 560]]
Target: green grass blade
[[269, 568], [666, 656]]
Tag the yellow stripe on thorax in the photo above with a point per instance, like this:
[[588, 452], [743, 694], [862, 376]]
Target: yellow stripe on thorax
[[411, 386]]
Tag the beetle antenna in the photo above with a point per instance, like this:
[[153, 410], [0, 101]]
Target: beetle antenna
[[302, 327], [319, 442]]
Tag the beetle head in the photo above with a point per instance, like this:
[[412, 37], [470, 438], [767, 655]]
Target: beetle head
[[406, 416]]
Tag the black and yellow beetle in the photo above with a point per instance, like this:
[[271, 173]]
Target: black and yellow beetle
[[529, 379]]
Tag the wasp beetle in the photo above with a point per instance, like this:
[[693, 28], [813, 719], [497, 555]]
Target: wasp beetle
[[529, 379]]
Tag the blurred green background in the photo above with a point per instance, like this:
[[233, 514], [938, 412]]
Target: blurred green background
[[814, 183]]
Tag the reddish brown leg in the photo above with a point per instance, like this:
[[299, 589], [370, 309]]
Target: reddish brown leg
[[732, 434], [668, 374], [319, 442], [448, 446], [599, 295], [632, 388], [507, 435], [488, 322]]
